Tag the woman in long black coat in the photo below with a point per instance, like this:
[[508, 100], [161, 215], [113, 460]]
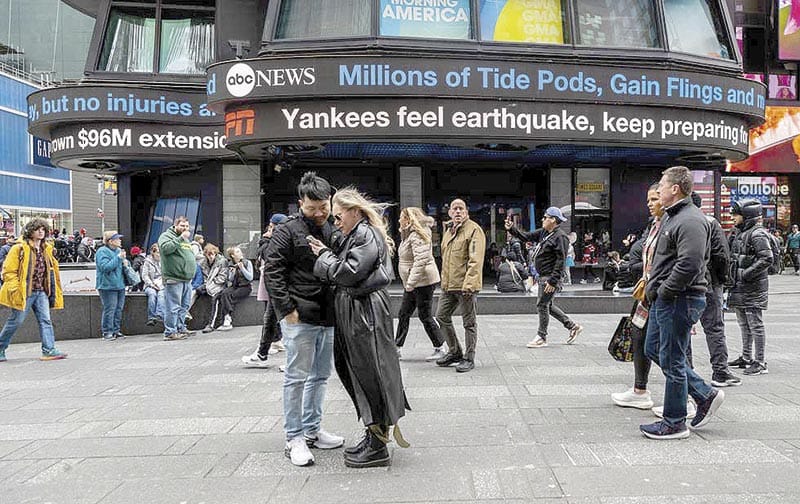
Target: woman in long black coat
[[364, 351]]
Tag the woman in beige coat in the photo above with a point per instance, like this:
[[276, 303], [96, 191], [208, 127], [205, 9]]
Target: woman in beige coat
[[420, 276]]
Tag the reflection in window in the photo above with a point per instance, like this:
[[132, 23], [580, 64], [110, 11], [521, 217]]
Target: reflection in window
[[592, 189], [696, 27], [301, 19], [533, 21], [187, 43], [616, 23], [166, 210], [130, 41], [449, 19]]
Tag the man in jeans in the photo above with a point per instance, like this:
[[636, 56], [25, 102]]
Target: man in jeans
[[676, 293], [304, 306], [177, 270], [31, 281]]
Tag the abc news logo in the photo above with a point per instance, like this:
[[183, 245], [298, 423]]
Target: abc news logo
[[242, 79]]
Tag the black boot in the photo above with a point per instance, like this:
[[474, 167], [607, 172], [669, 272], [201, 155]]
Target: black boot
[[374, 452], [352, 450]]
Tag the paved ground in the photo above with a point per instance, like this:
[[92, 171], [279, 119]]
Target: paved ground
[[147, 421]]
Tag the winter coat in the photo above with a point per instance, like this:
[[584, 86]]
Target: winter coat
[[215, 274], [365, 356], [793, 241], [18, 276], [550, 252], [289, 271], [151, 273], [415, 261], [751, 257], [719, 254], [177, 259], [511, 276], [109, 269], [462, 258]]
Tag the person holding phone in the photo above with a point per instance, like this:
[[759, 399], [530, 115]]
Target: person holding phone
[[240, 276]]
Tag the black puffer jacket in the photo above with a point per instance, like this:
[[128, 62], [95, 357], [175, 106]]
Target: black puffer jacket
[[751, 257], [511, 280], [552, 252], [289, 271]]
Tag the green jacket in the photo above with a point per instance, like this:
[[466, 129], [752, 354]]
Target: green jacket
[[177, 259]]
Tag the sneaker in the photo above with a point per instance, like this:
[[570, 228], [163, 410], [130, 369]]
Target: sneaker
[[227, 324], [740, 362], [225, 327], [597, 280], [661, 430], [254, 360], [272, 350], [449, 359], [279, 346], [537, 342], [297, 451], [109, 337], [52, 355], [282, 368], [3, 356], [186, 333], [174, 337], [465, 366], [707, 408], [576, 330], [437, 354], [188, 317], [756, 368], [691, 411], [324, 440], [207, 329], [583, 282], [151, 322], [119, 335], [630, 399], [725, 379]]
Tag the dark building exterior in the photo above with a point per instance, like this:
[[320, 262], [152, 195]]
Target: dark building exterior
[[214, 109]]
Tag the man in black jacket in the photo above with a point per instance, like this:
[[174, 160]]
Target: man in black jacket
[[549, 256], [676, 293], [304, 306]]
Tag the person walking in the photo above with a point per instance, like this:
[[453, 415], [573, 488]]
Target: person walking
[[419, 275], [31, 281], [793, 247], [364, 350], [177, 268], [463, 246], [304, 306], [240, 278], [676, 292], [751, 257], [549, 257], [153, 286], [110, 283]]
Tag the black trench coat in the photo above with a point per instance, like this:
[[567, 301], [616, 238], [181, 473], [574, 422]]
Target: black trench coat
[[364, 351]]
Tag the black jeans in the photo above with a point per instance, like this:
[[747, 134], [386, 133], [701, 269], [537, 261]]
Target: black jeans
[[795, 253], [270, 331], [420, 298], [225, 302], [641, 363], [546, 308]]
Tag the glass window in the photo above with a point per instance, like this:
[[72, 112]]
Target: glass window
[[704, 186], [696, 27], [592, 189], [130, 40], [166, 210], [616, 23], [449, 19], [187, 42], [301, 19], [532, 21]]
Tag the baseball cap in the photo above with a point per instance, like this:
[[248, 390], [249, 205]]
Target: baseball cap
[[555, 212], [115, 237], [136, 251], [278, 218]]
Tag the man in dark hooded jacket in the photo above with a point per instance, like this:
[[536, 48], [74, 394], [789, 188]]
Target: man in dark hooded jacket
[[751, 257]]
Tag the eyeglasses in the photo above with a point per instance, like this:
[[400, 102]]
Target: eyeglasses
[[337, 218]]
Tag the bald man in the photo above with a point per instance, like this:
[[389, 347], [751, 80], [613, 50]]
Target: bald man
[[463, 247]]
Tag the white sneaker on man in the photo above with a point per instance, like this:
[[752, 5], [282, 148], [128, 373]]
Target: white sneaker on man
[[437, 354], [297, 451], [227, 325], [691, 410], [630, 399], [538, 342], [324, 440], [254, 360], [277, 346]]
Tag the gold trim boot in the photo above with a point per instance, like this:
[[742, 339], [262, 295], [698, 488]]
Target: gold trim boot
[[374, 452]]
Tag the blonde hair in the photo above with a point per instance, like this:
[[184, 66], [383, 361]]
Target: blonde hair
[[416, 219], [210, 247], [350, 198], [229, 251], [107, 236]]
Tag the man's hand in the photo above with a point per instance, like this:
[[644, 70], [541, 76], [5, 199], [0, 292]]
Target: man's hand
[[186, 235], [467, 295], [316, 245], [292, 318], [548, 288]]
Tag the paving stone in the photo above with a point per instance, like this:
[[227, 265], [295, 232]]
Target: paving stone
[[103, 447], [156, 467], [195, 491], [174, 427], [88, 491]]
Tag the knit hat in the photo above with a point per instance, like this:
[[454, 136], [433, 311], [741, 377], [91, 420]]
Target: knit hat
[[135, 251], [278, 218]]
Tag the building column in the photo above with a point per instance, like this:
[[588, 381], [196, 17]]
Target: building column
[[410, 182], [561, 190]]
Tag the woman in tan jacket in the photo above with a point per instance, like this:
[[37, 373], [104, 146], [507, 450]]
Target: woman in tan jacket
[[420, 276]]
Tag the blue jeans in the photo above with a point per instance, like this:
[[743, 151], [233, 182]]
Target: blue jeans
[[309, 360], [668, 338], [155, 303], [38, 302], [113, 302], [178, 296]]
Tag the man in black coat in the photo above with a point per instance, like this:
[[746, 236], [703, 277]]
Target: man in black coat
[[751, 257], [549, 257], [304, 306]]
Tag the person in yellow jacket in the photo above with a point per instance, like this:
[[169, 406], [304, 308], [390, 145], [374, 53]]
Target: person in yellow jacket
[[31, 281], [463, 247]]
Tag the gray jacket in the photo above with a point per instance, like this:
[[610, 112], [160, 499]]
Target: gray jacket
[[151, 273]]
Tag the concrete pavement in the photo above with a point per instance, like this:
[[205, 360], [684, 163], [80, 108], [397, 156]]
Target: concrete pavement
[[144, 421]]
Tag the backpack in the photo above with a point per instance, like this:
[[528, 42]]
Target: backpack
[[777, 255]]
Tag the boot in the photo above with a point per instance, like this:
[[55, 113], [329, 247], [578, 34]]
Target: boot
[[374, 453], [352, 450]]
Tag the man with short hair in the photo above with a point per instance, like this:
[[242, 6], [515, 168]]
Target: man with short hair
[[676, 293], [178, 267], [549, 257], [463, 247], [305, 308], [31, 281]]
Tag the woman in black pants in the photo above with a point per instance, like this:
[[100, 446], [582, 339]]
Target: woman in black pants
[[420, 276], [240, 275]]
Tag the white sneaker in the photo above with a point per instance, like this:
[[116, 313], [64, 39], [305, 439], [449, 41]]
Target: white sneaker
[[297, 451], [279, 346], [691, 410], [227, 325], [538, 342], [583, 282], [630, 399], [324, 440], [437, 354], [254, 360]]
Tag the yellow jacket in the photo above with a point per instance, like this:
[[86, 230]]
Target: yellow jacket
[[18, 276], [462, 258]]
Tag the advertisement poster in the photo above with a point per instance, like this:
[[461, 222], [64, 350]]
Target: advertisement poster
[[775, 145], [448, 19], [771, 192], [789, 30], [534, 21]]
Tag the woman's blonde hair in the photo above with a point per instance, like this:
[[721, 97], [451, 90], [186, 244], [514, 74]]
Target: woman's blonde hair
[[210, 247], [107, 236], [230, 250], [417, 222], [350, 198]]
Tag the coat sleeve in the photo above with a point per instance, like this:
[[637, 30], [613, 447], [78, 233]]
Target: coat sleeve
[[761, 249], [247, 272], [522, 235], [635, 259], [690, 244], [169, 245], [276, 271], [421, 251], [477, 247], [560, 253], [107, 261], [147, 274], [354, 266]]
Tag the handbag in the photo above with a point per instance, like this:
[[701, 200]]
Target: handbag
[[639, 289], [621, 345], [129, 276]]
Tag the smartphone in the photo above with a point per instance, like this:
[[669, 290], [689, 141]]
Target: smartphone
[[310, 238]]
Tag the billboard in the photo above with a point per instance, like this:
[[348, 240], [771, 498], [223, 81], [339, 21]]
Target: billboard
[[788, 30], [775, 145], [536, 21], [448, 19]]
